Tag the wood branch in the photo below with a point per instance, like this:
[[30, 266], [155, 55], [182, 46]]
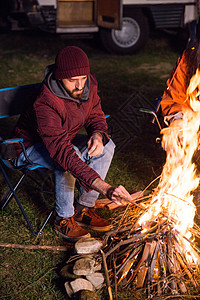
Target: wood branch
[[142, 207], [152, 275], [191, 243], [162, 269], [153, 262], [115, 277], [135, 238], [106, 275], [186, 269], [125, 270], [179, 275], [130, 257], [112, 233], [36, 247]]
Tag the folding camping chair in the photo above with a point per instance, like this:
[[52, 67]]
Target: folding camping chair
[[12, 102], [156, 114]]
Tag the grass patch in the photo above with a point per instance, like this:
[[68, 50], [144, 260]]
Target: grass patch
[[35, 274]]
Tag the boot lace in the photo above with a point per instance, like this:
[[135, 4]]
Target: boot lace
[[91, 213], [69, 223]]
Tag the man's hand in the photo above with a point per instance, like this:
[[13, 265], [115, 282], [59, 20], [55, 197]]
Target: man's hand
[[119, 195], [95, 144], [116, 194]]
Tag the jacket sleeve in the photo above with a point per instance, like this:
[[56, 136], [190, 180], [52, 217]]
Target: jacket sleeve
[[174, 100], [58, 143]]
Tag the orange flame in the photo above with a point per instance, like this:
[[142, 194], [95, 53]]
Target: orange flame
[[173, 196]]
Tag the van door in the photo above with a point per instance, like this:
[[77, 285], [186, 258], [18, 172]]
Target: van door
[[109, 13], [75, 13]]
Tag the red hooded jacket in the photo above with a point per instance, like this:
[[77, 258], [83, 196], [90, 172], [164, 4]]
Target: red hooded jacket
[[55, 121]]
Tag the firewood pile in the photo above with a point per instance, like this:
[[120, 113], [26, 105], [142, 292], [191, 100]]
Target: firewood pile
[[154, 260]]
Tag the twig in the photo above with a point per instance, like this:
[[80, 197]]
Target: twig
[[191, 243], [180, 199], [134, 253], [123, 217], [115, 278], [133, 202], [35, 247], [151, 183], [177, 296], [185, 267], [107, 275], [134, 239]]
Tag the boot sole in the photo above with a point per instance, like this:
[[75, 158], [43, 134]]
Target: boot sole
[[96, 228], [72, 239]]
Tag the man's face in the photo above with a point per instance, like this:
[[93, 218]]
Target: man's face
[[75, 85]]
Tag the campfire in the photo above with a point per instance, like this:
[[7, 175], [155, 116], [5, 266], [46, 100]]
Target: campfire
[[153, 246]]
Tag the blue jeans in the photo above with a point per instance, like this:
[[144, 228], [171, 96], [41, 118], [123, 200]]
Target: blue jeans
[[64, 181]]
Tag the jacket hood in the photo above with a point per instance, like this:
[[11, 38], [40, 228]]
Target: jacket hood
[[57, 88]]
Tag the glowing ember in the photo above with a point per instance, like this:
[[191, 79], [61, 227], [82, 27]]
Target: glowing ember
[[173, 197]]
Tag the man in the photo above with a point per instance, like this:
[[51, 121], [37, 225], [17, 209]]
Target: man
[[50, 129]]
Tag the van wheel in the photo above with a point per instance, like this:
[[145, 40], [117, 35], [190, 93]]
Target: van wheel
[[130, 39]]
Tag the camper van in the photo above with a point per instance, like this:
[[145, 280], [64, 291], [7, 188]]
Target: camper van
[[122, 25]]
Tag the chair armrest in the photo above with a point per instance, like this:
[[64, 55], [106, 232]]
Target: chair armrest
[[8, 149]]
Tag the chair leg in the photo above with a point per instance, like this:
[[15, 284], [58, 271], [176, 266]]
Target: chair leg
[[45, 222], [12, 191], [9, 194]]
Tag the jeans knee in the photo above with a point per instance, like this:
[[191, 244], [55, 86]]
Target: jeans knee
[[110, 147]]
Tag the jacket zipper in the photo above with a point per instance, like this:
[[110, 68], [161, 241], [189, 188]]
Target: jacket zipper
[[83, 119]]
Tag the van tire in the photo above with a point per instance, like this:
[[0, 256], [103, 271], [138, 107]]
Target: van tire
[[131, 38]]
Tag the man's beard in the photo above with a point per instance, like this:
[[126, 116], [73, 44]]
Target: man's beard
[[74, 95]]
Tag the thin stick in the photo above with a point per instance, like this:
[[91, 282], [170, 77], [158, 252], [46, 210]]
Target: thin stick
[[133, 202], [115, 278], [134, 238], [107, 275], [180, 199], [186, 269], [35, 247], [151, 183], [191, 243]]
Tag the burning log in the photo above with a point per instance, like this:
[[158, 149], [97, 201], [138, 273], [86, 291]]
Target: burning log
[[171, 265], [151, 268], [125, 267], [143, 266], [162, 270]]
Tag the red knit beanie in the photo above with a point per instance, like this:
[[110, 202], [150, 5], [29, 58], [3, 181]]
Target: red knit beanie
[[71, 61]]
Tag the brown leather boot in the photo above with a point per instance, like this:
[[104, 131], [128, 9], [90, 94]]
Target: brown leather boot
[[89, 217], [70, 230]]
